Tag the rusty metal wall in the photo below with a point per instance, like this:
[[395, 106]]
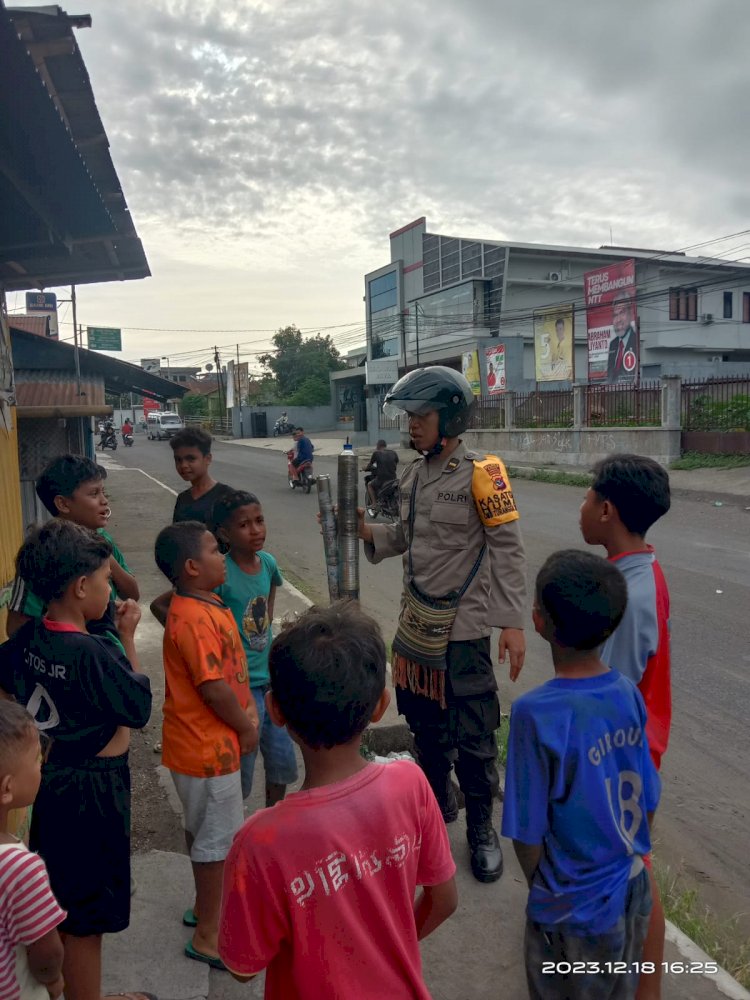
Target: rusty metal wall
[[10, 494]]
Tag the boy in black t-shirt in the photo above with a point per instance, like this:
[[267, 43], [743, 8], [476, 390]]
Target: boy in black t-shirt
[[84, 695], [192, 459]]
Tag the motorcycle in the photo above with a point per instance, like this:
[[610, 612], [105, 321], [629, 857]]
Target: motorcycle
[[108, 439], [301, 475], [386, 502], [127, 440], [282, 426]]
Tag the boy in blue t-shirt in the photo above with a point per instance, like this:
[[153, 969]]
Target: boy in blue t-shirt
[[249, 591], [579, 793]]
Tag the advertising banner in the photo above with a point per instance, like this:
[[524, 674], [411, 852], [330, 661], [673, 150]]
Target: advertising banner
[[495, 358], [45, 303], [553, 344], [611, 323], [470, 369], [242, 379]]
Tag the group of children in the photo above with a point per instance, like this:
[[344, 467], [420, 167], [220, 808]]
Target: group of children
[[320, 890]]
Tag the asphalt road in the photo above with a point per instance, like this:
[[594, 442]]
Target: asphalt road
[[702, 824]]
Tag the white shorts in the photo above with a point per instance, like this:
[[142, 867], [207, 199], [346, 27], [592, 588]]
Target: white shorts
[[213, 812]]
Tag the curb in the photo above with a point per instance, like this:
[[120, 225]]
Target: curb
[[722, 980]]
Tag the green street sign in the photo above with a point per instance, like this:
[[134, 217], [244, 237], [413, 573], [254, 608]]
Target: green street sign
[[104, 338]]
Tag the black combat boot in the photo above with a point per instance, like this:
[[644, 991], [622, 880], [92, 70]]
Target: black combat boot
[[486, 853], [446, 798]]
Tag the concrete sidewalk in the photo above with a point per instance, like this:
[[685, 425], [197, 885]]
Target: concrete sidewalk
[[476, 955], [730, 484]]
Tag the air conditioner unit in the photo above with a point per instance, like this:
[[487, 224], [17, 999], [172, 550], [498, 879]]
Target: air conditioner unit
[[554, 276], [707, 318]]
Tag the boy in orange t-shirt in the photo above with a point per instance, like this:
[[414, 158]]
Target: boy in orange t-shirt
[[210, 720]]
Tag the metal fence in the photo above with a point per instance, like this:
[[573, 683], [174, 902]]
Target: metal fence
[[716, 404], [622, 405], [489, 412], [553, 408]]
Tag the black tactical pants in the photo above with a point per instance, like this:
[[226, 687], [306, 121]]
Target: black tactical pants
[[463, 734]]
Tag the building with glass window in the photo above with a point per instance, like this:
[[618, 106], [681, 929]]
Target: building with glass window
[[441, 296]]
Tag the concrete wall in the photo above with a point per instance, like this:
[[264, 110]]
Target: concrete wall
[[575, 448], [312, 418]]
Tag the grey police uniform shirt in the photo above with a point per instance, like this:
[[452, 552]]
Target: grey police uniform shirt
[[448, 536]]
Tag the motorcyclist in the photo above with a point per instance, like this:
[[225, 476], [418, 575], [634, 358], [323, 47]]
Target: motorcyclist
[[127, 428], [282, 424], [382, 469], [303, 450], [107, 430]]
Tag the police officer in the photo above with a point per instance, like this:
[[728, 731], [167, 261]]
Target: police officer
[[462, 501]]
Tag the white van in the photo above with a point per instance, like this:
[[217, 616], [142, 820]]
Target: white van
[[163, 425]]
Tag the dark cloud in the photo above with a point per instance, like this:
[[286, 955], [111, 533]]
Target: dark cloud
[[525, 119]]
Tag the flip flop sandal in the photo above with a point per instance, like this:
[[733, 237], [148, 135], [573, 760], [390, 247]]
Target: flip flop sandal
[[189, 918], [213, 961]]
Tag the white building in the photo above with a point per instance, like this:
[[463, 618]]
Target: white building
[[440, 296]]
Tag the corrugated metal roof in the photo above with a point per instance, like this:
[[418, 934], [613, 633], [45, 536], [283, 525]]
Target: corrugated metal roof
[[65, 217], [32, 324], [45, 355], [57, 389]]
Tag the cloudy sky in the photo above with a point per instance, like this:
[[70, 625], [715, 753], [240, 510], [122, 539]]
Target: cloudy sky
[[268, 147]]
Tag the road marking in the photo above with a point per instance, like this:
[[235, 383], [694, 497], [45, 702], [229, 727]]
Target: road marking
[[158, 481], [723, 982], [109, 462]]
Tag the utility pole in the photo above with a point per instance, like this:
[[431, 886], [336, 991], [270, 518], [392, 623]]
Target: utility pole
[[238, 390], [76, 334], [222, 407], [416, 328]]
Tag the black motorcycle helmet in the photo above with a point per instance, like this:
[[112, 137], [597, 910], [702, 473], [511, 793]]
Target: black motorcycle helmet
[[434, 388]]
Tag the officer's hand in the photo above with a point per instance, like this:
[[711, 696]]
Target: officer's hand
[[513, 642], [363, 528]]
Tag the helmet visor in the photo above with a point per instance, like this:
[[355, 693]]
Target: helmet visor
[[393, 408]]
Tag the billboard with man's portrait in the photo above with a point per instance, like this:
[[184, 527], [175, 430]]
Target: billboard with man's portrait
[[612, 323], [470, 371], [495, 360], [553, 344]]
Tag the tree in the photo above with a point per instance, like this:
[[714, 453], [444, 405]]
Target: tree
[[295, 361], [193, 405]]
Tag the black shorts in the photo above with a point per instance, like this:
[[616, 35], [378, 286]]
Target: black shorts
[[80, 825]]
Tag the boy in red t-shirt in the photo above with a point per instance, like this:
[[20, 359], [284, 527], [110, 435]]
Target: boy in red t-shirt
[[319, 890], [210, 720], [629, 493]]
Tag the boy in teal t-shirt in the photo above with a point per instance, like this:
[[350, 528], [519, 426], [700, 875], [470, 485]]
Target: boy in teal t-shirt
[[72, 489], [249, 590]]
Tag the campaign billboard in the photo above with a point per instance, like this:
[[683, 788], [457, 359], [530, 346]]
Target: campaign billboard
[[495, 360], [612, 323], [470, 370], [553, 344]]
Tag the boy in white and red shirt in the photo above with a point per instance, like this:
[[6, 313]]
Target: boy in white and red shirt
[[319, 890], [31, 951], [628, 495]]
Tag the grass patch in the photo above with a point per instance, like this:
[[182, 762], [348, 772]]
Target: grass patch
[[558, 477], [698, 460], [723, 940], [303, 586], [501, 738]]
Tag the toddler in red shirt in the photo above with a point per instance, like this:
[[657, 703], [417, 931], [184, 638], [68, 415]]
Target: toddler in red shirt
[[356, 840]]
